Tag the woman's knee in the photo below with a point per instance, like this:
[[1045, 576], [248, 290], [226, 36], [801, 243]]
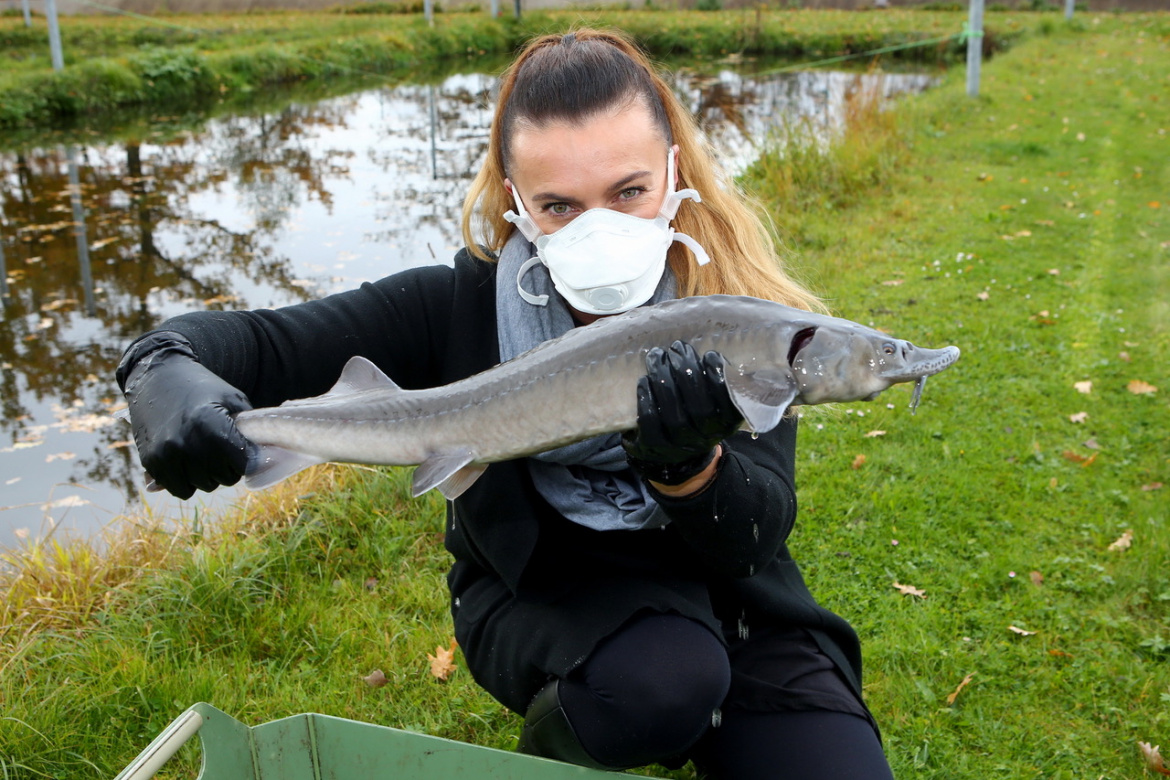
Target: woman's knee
[[649, 691]]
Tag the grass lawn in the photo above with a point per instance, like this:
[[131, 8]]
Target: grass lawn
[[1025, 501]]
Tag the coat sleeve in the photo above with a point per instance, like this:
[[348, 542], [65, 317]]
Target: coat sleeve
[[400, 323], [740, 523]]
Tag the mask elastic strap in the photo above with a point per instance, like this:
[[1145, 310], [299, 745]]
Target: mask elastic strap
[[672, 200], [521, 220], [701, 256], [535, 300]]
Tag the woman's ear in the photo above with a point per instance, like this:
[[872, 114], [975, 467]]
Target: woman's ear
[[674, 153], [508, 184]]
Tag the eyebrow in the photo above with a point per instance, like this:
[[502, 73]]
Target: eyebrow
[[620, 184]]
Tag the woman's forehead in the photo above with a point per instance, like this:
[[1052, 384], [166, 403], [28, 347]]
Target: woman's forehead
[[625, 139]]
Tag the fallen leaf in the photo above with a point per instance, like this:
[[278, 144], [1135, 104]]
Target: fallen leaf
[[893, 282], [1138, 387], [1151, 486], [375, 679], [443, 661], [1079, 417], [1059, 653], [1037, 578], [1091, 444], [909, 590], [1123, 542], [1075, 457], [874, 434], [1085, 387], [1020, 631], [1124, 356], [1153, 758], [858, 462], [983, 296], [955, 693]]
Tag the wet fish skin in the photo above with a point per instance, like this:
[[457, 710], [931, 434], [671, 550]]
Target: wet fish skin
[[578, 386]]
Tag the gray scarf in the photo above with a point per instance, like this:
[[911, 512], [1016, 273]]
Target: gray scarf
[[589, 482]]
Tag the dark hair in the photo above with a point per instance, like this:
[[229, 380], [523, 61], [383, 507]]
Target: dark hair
[[573, 77]]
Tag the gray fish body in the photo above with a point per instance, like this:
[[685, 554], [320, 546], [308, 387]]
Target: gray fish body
[[579, 386]]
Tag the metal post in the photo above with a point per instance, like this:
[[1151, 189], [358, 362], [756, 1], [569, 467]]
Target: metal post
[[429, 12], [434, 130], [495, 9], [54, 35], [1068, 8], [974, 47], [27, 13], [80, 232], [516, 6], [3, 275]]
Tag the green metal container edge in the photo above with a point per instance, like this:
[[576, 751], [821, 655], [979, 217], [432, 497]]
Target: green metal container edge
[[311, 746]]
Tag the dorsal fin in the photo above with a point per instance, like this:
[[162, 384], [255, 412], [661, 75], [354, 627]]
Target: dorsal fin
[[359, 375]]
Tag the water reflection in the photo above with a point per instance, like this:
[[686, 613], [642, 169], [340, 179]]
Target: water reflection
[[102, 242]]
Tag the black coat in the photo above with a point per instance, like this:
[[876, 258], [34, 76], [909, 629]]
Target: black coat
[[532, 593]]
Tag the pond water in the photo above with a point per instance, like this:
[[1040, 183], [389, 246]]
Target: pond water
[[105, 239]]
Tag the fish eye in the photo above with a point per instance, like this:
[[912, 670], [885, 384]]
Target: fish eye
[[888, 348]]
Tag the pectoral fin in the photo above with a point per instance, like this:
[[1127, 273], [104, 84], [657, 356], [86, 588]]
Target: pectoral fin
[[451, 472], [762, 396]]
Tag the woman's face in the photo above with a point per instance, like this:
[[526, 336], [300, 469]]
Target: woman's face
[[615, 160]]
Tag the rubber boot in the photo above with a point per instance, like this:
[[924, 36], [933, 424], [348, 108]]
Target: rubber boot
[[548, 733]]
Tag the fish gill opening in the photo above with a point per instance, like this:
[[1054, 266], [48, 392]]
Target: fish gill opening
[[799, 342]]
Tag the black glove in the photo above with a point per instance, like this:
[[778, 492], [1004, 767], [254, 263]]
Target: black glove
[[181, 415], [684, 410]]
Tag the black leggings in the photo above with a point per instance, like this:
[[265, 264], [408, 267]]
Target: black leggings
[[648, 693]]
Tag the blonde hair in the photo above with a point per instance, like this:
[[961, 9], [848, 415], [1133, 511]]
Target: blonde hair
[[569, 78]]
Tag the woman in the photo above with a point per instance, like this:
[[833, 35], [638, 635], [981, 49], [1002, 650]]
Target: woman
[[632, 597]]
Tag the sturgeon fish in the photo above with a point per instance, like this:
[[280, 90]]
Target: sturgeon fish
[[579, 386]]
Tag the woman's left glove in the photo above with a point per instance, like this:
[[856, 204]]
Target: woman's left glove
[[684, 411]]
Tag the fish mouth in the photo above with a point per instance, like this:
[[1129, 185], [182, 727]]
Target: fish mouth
[[924, 362], [799, 342]]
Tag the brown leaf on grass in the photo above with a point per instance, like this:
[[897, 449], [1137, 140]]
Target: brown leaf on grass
[[1153, 758], [1037, 578], [1059, 653], [1020, 631], [1123, 542], [1151, 486], [909, 590], [858, 462], [375, 679], [893, 282], [955, 693], [1085, 387], [443, 661], [1138, 387], [874, 434], [1075, 457]]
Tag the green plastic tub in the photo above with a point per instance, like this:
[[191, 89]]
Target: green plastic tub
[[321, 747]]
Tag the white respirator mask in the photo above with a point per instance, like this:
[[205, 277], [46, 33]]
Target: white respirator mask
[[606, 261]]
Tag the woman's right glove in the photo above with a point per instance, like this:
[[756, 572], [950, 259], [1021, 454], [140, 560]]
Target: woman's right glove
[[684, 411], [182, 416]]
